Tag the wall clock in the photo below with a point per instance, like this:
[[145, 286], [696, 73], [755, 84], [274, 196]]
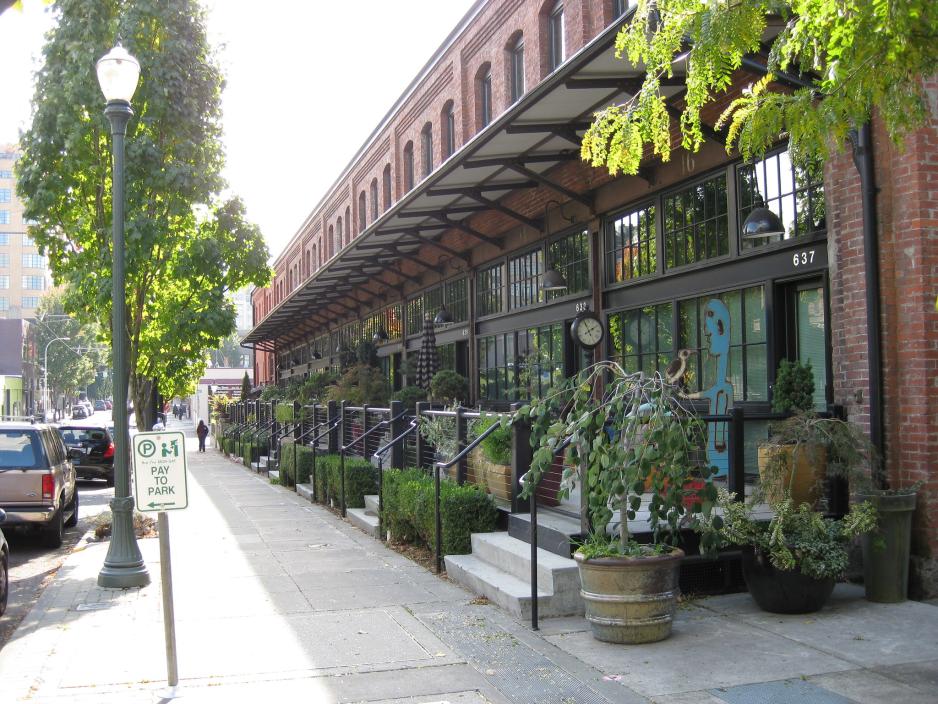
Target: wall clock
[[587, 329]]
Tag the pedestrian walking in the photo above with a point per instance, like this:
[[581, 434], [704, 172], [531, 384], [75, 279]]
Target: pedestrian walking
[[202, 432]]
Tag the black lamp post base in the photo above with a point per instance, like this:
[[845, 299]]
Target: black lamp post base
[[123, 566]]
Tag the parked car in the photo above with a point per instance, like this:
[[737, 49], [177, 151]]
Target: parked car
[[4, 567], [100, 405], [91, 449], [108, 405], [79, 412], [37, 481]]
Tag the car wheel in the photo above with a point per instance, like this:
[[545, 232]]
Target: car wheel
[[73, 507], [110, 480], [52, 534], [4, 583]]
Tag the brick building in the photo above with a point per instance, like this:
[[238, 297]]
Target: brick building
[[470, 194]]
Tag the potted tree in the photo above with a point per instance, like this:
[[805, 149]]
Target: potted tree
[[790, 460], [791, 561], [638, 430]]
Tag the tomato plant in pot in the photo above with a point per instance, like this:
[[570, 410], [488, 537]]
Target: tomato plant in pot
[[792, 560], [638, 429]]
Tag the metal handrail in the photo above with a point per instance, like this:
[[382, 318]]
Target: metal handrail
[[372, 429], [379, 455], [468, 448], [383, 450]]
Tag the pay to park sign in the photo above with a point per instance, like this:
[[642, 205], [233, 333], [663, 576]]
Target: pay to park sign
[[160, 471]]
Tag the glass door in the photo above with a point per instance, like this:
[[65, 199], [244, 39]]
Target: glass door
[[807, 333]]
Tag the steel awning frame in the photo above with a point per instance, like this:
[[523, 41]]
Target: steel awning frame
[[470, 182]]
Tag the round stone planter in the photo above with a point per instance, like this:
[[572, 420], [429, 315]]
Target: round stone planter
[[630, 599]]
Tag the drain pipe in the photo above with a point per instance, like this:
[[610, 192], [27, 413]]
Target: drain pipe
[[863, 160]]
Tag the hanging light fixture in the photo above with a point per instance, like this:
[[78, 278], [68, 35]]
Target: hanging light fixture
[[317, 354], [552, 280], [381, 335], [443, 317], [762, 223]]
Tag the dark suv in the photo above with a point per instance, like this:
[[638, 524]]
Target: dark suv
[[91, 449]]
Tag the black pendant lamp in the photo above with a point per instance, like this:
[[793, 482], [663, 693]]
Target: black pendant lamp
[[762, 223], [443, 317]]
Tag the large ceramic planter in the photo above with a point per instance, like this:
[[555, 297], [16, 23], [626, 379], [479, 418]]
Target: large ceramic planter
[[630, 599], [886, 551], [783, 591], [809, 463]]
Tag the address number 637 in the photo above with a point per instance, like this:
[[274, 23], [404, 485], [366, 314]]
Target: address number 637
[[802, 258]]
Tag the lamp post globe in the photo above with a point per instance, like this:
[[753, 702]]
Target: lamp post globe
[[124, 567]]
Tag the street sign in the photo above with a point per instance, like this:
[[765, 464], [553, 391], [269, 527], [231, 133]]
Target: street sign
[[160, 471]]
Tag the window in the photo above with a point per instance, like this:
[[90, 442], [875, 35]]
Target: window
[[485, 98], [34, 261], [413, 316], [34, 283], [4, 260], [28, 241], [4, 304], [5, 194], [386, 179], [6, 174], [331, 242], [524, 278], [620, 6], [570, 256], [489, 290], [456, 296], [426, 146], [521, 365], [362, 212], [555, 40], [4, 238], [374, 199], [4, 217], [516, 77], [30, 301], [642, 339], [449, 130], [338, 235], [695, 223], [408, 166], [4, 282], [795, 194], [631, 245]]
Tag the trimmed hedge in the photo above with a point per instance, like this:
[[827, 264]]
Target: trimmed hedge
[[409, 511], [361, 479], [288, 469]]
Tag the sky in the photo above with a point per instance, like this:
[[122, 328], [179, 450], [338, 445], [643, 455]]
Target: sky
[[307, 82]]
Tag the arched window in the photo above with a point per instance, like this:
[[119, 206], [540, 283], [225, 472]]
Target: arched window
[[315, 259], [348, 224], [448, 127], [374, 199], [426, 140], [408, 166], [331, 242], [484, 94], [338, 235], [556, 46], [362, 212], [516, 67], [386, 178]]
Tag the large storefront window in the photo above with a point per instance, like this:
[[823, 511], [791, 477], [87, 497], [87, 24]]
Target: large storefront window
[[414, 316], [570, 256], [695, 223], [795, 194], [521, 365], [489, 290], [642, 339], [457, 299], [631, 245], [524, 278]]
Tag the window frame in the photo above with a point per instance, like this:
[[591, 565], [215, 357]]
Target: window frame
[[556, 42], [516, 70]]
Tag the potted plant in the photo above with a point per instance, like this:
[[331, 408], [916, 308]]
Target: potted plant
[[638, 430], [495, 460], [449, 387], [792, 560], [791, 460]]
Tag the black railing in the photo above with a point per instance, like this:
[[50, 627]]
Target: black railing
[[355, 441], [379, 455]]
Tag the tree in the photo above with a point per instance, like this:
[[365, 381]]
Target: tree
[[245, 387], [229, 352], [186, 248], [72, 363], [840, 61]]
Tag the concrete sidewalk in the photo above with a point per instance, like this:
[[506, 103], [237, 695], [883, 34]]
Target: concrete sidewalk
[[277, 598]]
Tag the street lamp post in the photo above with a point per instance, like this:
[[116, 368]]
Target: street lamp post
[[118, 72], [45, 376]]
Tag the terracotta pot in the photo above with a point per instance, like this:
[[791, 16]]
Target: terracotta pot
[[630, 599], [807, 461]]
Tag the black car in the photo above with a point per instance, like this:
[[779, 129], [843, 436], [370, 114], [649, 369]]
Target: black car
[[92, 451]]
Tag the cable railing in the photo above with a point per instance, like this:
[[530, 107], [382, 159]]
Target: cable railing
[[361, 440]]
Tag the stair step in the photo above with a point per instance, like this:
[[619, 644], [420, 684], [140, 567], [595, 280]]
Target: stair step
[[555, 532], [507, 591], [256, 466], [274, 474], [361, 519], [554, 573], [305, 490], [371, 504]]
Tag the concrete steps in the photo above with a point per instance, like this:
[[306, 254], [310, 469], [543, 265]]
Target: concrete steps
[[305, 490], [499, 568], [366, 518]]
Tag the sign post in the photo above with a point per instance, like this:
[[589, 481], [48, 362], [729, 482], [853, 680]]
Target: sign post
[[160, 485]]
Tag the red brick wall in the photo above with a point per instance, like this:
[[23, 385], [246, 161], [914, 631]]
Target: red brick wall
[[907, 205]]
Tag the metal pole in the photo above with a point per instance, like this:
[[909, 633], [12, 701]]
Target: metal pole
[[123, 565], [169, 616], [439, 523], [533, 537]]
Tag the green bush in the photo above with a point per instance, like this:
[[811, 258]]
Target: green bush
[[497, 446], [361, 479], [409, 510], [449, 387], [287, 463], [304, 463], [283, 412], [409, 395]]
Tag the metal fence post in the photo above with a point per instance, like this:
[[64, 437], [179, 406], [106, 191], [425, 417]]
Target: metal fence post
[[397, 427], [342, 459], [520, 460], [421, 407], [462, 435], [334, 434], [736, 472], [364, 428]]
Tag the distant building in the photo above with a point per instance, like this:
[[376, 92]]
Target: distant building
[[24, 273], [19, 371]]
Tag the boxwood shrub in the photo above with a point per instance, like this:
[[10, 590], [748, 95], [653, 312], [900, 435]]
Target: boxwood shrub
[[361, 479], [409, 511], [295, 471]]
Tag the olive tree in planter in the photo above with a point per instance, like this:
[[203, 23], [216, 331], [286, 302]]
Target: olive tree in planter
[[637, 433]]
